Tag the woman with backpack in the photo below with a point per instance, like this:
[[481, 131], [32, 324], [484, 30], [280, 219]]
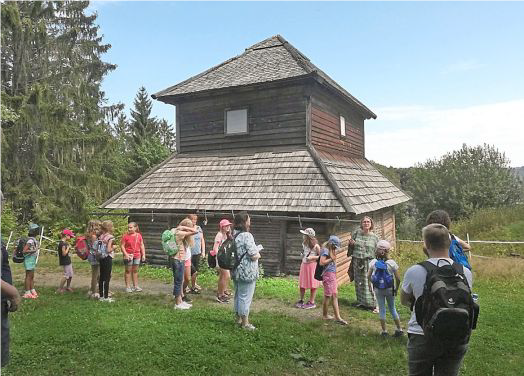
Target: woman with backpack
[[223, 274], [362, 245], [380, 278], [306, 278], [246, 273], [92, 233]]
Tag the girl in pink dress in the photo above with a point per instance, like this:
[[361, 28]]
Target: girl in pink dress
[[310, 255]]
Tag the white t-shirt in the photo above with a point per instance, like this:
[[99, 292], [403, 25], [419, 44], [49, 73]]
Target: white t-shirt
[[413, 283], [306, 251]]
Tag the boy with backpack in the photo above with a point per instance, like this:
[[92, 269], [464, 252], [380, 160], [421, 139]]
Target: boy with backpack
[[9, 298], [30, 252], [64, 259], [444, 313], [383, 278]]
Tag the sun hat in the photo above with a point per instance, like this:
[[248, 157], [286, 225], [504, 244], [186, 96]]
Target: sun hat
[[309, 232], [334, 240], [384, 245], [224, 223], [67, 231]]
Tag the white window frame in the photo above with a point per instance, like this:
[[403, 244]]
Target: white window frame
[[342, 121], [233, 114]]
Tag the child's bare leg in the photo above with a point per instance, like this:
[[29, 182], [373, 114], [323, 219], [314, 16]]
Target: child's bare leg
[[397, 322], [27, 280], [302, 293], [325, 304], [313, 295], [69, 282], [334, 302], [62, 282], [383, 325], [127, 276], [134, 275]]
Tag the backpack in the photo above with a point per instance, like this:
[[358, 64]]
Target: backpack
[[382, 278], [101, 251], [456, 253], [18, 254], [446, 311], [169, 243], [227, 255], [319, 270], [81, 247]]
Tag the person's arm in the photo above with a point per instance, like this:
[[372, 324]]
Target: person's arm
[[324, 260], [65, 249], [203, 246], [186, 229], [12, 295], [142, 249], [216, 244], [406, 299], [123, 248], [465, 246], [110, 245], [26, 248], [397, 282]]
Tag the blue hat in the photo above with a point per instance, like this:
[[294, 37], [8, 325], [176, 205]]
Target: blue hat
[[33, 226], [333, 239]]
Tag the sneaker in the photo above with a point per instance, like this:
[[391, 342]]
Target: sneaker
[[182, 305], [28, 295], [110, 300], [299, 304], [398, 333], [101, 299], [129, 289], [34, 293], [248, 327], [341, 322], [95, 295], [60, 291], [309, 305], [69, 289], [384, 334], [137, 289]]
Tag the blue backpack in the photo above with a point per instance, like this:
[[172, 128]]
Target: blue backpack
[[456, 253], [382, 278]]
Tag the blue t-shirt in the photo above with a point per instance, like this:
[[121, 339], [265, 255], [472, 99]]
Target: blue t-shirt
[[331, 267], [197, 238]]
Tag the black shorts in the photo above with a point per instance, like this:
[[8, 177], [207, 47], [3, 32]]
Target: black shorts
[[5, 335], [195, 263]]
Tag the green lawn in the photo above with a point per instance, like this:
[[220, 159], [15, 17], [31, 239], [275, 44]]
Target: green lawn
[[142, 334]]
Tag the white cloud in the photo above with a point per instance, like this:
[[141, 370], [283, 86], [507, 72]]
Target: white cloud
[[462, 66], [414, 134]]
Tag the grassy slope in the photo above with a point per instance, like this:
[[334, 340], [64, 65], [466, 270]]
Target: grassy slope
[[143, 332]]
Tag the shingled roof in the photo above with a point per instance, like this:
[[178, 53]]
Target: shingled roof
[[270, 181], [273, 59]]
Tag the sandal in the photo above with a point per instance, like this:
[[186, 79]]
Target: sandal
[[341, 322], [194, 290]]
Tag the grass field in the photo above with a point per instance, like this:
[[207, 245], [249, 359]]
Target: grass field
[[142, 334]]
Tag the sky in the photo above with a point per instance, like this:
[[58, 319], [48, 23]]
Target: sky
[[437, 74]]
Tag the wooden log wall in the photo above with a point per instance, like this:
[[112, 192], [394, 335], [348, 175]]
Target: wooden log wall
[[276, 117], [152, 235], [294, 243], [326, 110]]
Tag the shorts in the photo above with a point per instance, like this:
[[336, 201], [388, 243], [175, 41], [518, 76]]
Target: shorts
[[68, 271], [92, 260], [195, 263], [5, 334], [329, 279], [187, 263], [30, 262], [135, 261]]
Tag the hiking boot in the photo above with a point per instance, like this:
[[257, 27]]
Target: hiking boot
[[299, 304], [398, 333], [309, 305]]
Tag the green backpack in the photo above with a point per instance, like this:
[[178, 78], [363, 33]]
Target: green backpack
[[169, 243]]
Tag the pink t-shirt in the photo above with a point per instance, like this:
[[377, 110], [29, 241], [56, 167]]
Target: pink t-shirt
[[219, 239], [132, 244]]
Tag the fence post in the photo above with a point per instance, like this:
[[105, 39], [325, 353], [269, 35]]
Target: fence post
[[469, 253]]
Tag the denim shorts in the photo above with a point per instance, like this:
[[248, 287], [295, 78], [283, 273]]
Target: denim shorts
[[135, 261]]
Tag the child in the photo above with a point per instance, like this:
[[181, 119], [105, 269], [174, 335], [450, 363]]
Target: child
[[92, 233], [385, 294], [30, 257], [329, 279], [223, 274], [106, 260], [65, 260], [134, 252], [310, 254], [184, 239]]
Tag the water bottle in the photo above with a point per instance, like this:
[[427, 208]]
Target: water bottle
[[475, 298]]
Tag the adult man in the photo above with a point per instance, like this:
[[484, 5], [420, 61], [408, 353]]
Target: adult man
[[9, 297], [427, 357]]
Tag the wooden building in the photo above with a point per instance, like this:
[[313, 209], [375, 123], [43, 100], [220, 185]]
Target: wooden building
[[267, 132]]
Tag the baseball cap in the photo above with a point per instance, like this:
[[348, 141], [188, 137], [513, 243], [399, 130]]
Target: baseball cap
[[33, 226], [309, 232], [67, 231], [333, 239], [224, 223]]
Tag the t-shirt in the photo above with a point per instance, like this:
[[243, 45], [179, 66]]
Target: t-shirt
[[6, 269], [331, 267], [219, 239], [32, 244], [106, 238], [413, 283], [306, 251], [132, 244], [63, 260], [391, 264], [197, 238]]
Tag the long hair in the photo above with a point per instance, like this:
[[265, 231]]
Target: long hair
[[107, 226], [372, 223], [310, 242], [137, 230], [240, 221], [189, 238]]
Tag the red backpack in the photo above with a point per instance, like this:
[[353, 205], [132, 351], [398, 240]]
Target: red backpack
[[81, 248]]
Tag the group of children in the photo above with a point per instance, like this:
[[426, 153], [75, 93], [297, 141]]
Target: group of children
[[313, 255]]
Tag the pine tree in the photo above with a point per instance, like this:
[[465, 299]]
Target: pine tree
[[143, 125]]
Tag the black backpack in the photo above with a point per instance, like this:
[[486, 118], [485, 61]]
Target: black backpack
[[227, 255], [445, 310], [18, 254]]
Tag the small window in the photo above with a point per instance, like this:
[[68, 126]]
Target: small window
[[342, 126], [236, 121]]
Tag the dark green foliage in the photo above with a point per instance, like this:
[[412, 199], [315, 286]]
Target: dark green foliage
[[463, 181]]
